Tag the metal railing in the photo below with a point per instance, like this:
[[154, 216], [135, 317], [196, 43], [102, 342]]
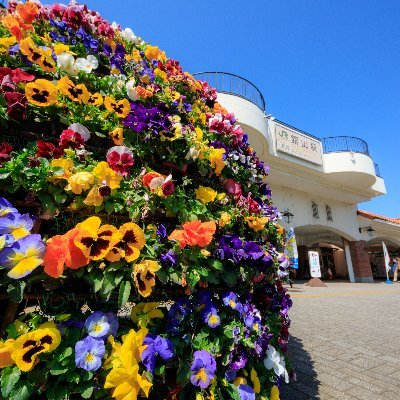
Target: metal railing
[[224, 82], [337, 144]]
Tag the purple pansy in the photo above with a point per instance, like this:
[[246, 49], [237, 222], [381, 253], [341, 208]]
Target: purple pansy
[[169, 259], [88, 353], [210, 316], [202, 369], [157, 347], [6, 207], [161, 233], [246, 392], [99, 325], [16, 224], [230, 300]]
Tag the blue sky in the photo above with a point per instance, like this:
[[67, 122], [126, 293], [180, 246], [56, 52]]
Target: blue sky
[[328, 67]]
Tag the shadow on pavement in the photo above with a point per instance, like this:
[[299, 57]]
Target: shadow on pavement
[[306, 386]]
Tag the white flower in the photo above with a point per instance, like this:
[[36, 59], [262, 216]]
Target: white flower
[[82, 130], [276, 361], [66, 63], [131, 89], [87, 64], [192, 154], [114, 25], [128, 35]]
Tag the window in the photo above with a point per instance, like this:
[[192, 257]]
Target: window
[[329, 216], [315, 211]]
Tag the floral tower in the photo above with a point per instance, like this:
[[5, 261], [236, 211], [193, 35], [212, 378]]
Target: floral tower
[[139, 248]]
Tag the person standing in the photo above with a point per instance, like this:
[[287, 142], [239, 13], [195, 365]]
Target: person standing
[[396, 268]]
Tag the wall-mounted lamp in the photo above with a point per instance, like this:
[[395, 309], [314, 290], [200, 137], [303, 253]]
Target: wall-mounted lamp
[[370, 231], [288, 216]]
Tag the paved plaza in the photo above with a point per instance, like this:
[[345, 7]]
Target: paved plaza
[[345, 342]]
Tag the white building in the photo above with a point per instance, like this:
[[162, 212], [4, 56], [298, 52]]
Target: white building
[[318, 181]]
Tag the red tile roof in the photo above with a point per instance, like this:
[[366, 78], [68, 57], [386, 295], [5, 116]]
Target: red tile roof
[[371, 215]]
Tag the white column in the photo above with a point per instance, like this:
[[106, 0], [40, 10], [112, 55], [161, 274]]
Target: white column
[[348, 261]]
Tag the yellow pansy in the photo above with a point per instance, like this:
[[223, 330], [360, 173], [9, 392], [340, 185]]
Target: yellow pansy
[[124, 377], [205, 194], [144, 276], [6, 43], [79, 182], [154, 53], [60, 48], [29, 345], [256, 223], [224, 219], [94, 240], [240, 381], [216, 161], [274, 393], [103, 176], [6, 348], [279, 229], [66, 164], [143, 313], [161, 74], [255, 380]]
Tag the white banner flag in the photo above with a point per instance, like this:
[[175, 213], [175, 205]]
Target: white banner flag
[[386, 257]]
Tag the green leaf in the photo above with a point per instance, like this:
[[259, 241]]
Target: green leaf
[[57, 392], [22, 391], [183, 373], [87, 393], [216, 264], [16, 291], [9, 378], [124, 291], [58, 370], [229, 277], [233, 392]]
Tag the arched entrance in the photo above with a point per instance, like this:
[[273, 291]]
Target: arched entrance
[[375, 251], [332, 246]]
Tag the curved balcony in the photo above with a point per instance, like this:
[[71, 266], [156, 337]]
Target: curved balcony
[[228, 83], [338, 144]]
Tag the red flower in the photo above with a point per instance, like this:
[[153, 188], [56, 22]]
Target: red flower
[[19, 75], [70, 138], [48, 150], [7, 84], [16, 105], [168, 188], [120, 159], [5, 150]]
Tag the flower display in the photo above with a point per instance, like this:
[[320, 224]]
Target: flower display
[[139, 245]]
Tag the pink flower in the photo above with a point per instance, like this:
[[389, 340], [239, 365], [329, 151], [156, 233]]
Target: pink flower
[[69, 138], [75, 136], [120, 159], [105, 29], [233, 187]]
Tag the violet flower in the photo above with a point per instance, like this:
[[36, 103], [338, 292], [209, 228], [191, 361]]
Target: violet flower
[[203, 369], [157, 347]]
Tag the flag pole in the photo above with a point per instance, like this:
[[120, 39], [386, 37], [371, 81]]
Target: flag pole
[[387, 261]]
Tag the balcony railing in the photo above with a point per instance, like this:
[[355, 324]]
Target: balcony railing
[[225, 82], [345, 143]]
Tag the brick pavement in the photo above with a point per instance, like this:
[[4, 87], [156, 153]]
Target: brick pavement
[[345, 342]]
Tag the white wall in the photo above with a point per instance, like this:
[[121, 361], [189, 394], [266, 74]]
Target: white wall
[[344, 222]]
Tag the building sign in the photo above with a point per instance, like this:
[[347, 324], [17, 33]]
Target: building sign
[[298, 144], [315, 268]]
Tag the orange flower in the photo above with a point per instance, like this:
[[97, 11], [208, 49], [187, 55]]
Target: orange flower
[[194, 233], [62, 252], [27, 12], [143, 93], [12, 23]]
